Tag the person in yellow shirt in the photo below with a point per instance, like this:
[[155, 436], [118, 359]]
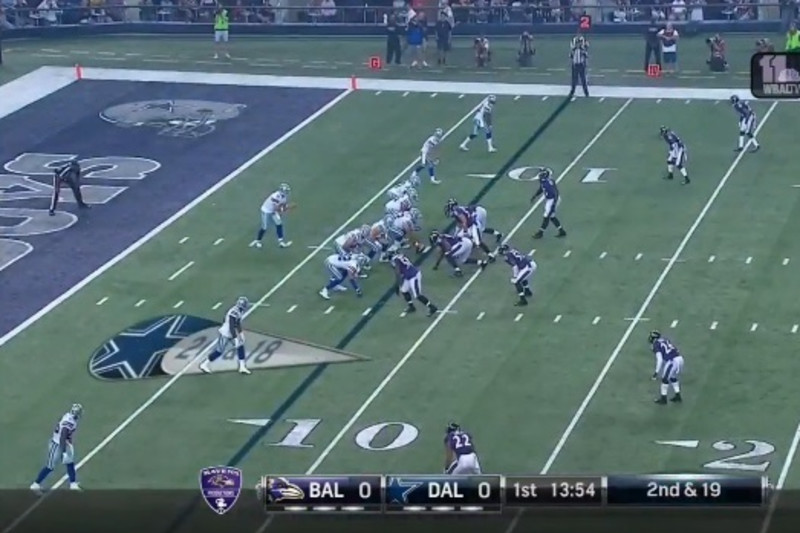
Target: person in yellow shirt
[[221, 26], [793, 39]]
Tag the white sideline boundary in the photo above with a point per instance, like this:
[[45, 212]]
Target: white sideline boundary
[[392, 85]]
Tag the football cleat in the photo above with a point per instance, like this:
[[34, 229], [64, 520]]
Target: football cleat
[[205, 368]]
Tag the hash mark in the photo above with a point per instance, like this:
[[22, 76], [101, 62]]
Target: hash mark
[[367, 311], [557, 319], [567, 253], [602, 99], [674, 324], [181, 270], [480, 315], [518, 317], [183, 240], [434, 95], [329, 310], [102, 300], [545, 98], [603, 254], [460, 96], [596, 320], [634, 319], [291, 309], [711, 258], [378, 92], [638, 256], [218, 241], [177, 305], [405, 94], [688, 101], [754, 326], [658, 101], [517, 97], [139, 303], [748, 260], [794, 328], [530, 254], [216, 306], [714, 325], [403, 314], [785, 261], [716, 102]]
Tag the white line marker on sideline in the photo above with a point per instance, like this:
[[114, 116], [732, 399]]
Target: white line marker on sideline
[[219, 241], [545, 98], [291, 309], [637, 319], [748, 260], [329, 310], [367, 311], [530, 254], [177, 305], [139, 303], [102, 300], [785, 261], [629, 331], [405, 94], [434, 95], [460, 96], [216, 306], [638, 257], [518, 317], [754, 326], [794, 328], [658, 101], [557, 319], [787, 465], [183, 240], [396, 369], [596, 321], [674, 324], [567, 253], [377, 93], [711, 258], [714, 325], [180, 271], [602, 99], [517, 97], [480, 315], [603, 255]]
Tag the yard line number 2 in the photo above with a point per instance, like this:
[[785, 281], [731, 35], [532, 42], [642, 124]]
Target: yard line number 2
[[749, 456]]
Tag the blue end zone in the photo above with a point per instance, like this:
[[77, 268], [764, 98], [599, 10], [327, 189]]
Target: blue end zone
[[148, 149]]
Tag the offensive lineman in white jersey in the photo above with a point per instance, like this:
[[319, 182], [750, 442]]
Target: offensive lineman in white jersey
[[404, 229], [351, 242], [427, 158], [482, 122], [342, 268], [230, 334], [272, 208], [460, 456], [402, 188], [60, 449], [402, 204], [378, 240]]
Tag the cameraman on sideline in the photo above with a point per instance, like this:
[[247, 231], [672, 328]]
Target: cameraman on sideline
[[526, 50], [717, 61]]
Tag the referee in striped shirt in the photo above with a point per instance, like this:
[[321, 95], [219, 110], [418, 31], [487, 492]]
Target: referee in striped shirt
[[578, 56], [69, 174]]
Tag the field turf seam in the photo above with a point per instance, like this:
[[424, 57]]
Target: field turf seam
[[277, 415]]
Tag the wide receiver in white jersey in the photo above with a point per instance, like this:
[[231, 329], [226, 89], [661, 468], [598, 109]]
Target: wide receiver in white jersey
[[427, 158], [399, 190], [482, 122], [230, 334], [61, 450], [276, 204]]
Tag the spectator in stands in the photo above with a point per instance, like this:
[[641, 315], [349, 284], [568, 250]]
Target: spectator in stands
[[444, 33], [328, 10], [48, 12], [416, 38], [4, 23], [788, 13], [678, 11], [393, 48], [696, 10]]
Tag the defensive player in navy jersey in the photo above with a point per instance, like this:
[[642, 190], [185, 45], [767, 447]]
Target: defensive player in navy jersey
[[677, 155], [409, 284], [669, 364], [455, 249], [548, 188], [460, 456], [522, 270], [471, 221], [747, 124]]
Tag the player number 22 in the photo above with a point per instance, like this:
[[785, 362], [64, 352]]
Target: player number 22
[[461, 441]]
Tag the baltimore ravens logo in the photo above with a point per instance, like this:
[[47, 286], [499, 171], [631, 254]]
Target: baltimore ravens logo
[[173, 118], [137, 352]]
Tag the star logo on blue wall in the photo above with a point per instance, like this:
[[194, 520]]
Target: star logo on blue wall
[[398, 490]]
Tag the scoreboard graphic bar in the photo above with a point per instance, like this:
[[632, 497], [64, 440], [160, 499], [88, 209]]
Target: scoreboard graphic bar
[[490, 494]]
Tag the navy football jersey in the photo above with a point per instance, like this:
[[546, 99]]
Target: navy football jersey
[[460, 442], [664, 347]]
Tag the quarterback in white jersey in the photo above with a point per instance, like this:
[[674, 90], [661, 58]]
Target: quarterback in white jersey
[[271, 210], [61, 450], [403, 204], [342, 268], [401, 189], [427, 158], [482, 122], [230, 333]]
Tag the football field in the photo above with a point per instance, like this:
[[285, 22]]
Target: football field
[[351, 385]]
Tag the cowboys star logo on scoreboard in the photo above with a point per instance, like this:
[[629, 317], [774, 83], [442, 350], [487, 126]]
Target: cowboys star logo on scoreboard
[[165, 345]]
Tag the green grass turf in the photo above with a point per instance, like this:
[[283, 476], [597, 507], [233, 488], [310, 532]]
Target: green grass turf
[[514, 383], [614, 60]]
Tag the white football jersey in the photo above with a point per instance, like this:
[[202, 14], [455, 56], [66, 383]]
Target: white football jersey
[[483, 117], [400, 190], [398, 206], [233, 315], [274, 202], [350, 239], [430, 145], [344, 263], [69, 423]]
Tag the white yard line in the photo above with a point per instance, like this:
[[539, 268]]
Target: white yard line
[[576, 418], [444, 312], [168, 385], [787, 465]]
